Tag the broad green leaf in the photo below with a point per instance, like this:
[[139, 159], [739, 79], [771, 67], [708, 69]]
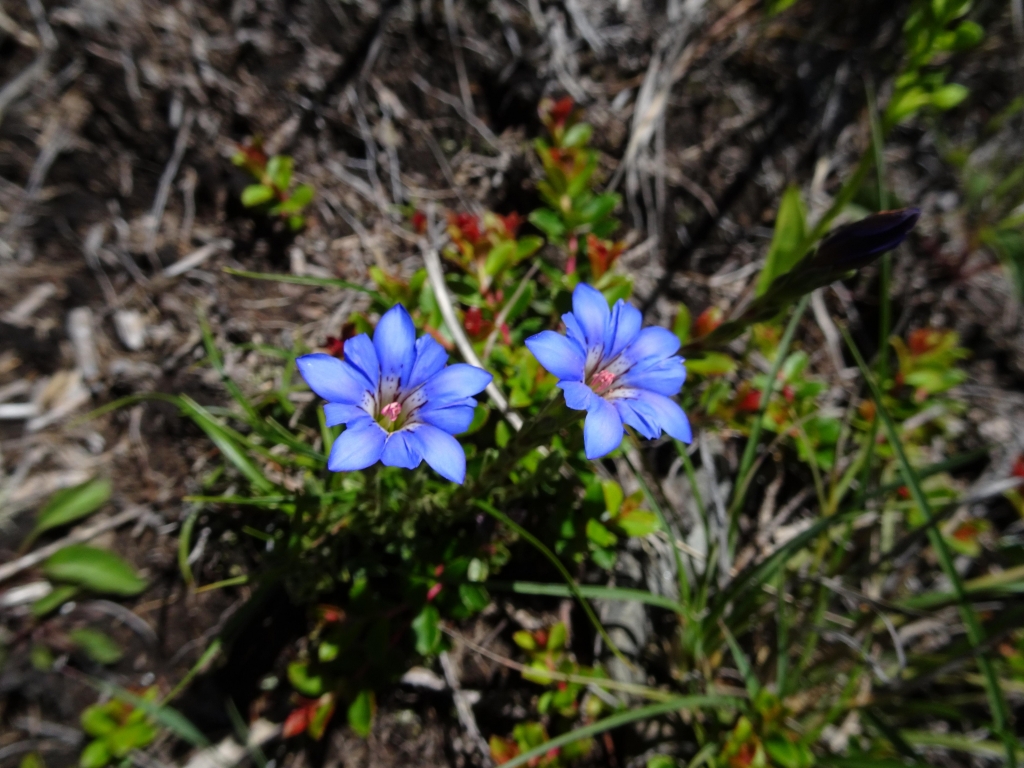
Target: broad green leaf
[[613, 496], [95, 569], [95, 755], [557, 637], [662, 761], [474, 597], [547, 221], [949, 96], [305, 683], [712, 364], [683, 323], [527, 246], [790, 233], [53, 601], [256, 194], [599, 207], [361, 713], [525, 640], [97, 645], [298, 199], [69, 505], [500, 257], [279, 169], [600, 535], [427, 626], [97, 720], [578, 136], [134, 736], [638, 523]]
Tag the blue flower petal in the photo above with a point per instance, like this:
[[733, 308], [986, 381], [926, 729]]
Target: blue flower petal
[[651, 345], [342, 413], [669, 415], [357, 447], [453, 419], [402, 450], [574, 331], [590, 308], [429, 359], [577, 395], [602, 430], [359, 352], [394, 339], [559, 355], [332, 379], [665, 377], [641, 418], [622, 329], [455, 383], [442, 452]]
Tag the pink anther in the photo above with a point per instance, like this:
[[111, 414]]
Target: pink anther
[[601, 381], [391, 411]]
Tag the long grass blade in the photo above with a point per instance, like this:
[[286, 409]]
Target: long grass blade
[[624, 718], [975, 634], [588, 591]]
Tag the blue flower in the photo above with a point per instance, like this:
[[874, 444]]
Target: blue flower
[[399, 400], [616, 372]]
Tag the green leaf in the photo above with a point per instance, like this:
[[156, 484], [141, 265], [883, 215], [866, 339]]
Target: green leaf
[[97, 720], [527, 246], [53, 601], [613, 496], [548, 222], [599, 207], [600, 535], [949, 96], [279, 169], [69, 505], [32, 760], [788, 754], [682, 324], [474, 597], [500, 257], [578, 136], [299, 199], [302, 681], [134, 736], [968, 35], [256, 194], [638, 523], [95, 569], [557, 637], [427, 626], [97, 645], [790, 232], [95, 755], [712, 364], [361, 712], [662, 761]]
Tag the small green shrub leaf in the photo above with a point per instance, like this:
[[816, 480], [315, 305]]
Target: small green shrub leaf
[[427, 626], [95, 569], [95, 755], [361, 713], [256, 194], [97, 645], [71, 504]]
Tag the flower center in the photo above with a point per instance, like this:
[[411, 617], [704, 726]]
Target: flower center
[[601, 381], [391, 411]]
